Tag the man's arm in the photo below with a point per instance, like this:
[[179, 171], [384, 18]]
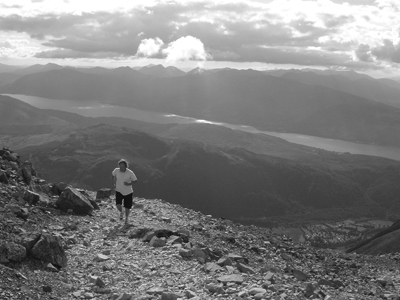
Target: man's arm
[[133, 180]]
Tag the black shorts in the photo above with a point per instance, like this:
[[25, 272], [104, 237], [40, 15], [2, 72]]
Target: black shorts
[[128, 199]]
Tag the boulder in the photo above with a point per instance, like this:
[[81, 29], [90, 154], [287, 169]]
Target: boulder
[[3, 177], [49, 248], [12, 251], [22, 213], [31, 197], [197, 252], [158, 242], [26, 171], [58, 188], [9, 155], [103, 194], [71, 199], [28, 240]]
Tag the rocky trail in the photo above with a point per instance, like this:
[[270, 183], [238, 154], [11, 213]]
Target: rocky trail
[[166, 252]]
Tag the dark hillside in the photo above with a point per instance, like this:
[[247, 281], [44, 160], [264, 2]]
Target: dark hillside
[[385, 241], [222, 181], [19, 118]]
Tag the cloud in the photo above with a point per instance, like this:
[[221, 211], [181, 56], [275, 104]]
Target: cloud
[[184, 49], [320, 32], [149, 47], [67, 54], [6, 44], [363, 53], [388, 51], [337, 20]]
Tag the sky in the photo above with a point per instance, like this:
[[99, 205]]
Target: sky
[[359, 35]]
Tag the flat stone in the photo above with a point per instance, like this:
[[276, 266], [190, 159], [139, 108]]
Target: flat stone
[[101, 257], [300, 275], [245, 268], [158, 242], [155, 290], [224, 261], [236, 278], [211, 267], [50, 268], [257, 290], [185, 252]]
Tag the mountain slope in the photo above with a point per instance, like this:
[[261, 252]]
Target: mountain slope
[[364, 87], [229, 182], [167, 251], [19, 118], [239, 97], [385, 241]]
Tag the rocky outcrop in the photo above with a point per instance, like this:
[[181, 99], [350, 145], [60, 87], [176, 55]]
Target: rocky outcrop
[[26, 171], [49, 248], [169, 252], [72, 200], [9, 155]]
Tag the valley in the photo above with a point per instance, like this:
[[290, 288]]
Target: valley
[[200, 156], [97, 110], [267, 102]]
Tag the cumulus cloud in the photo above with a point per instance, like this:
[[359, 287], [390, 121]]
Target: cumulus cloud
[[184, 49], [149, 47], [6, 44], [323, 32], [363, 53], [388, 51]]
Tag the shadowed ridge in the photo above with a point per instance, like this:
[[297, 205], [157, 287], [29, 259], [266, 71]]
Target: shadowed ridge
[[373, 245]]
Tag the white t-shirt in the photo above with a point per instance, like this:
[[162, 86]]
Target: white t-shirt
[[122, 177]]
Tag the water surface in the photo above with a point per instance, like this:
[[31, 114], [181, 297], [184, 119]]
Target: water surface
[[96, 109]]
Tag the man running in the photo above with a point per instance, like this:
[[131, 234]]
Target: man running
[[122, 180]]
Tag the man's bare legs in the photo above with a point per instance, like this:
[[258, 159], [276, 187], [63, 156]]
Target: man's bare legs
[[127, 212], [119, 207]]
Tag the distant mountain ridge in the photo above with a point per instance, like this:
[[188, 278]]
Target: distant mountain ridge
[[382, 91], [161, 71], [324, 104]]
